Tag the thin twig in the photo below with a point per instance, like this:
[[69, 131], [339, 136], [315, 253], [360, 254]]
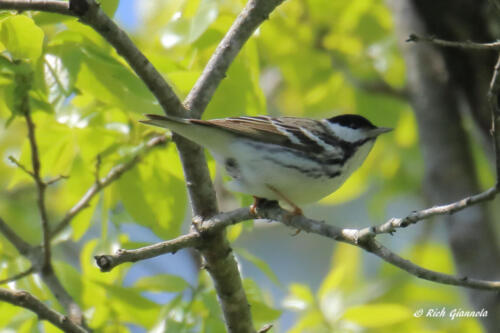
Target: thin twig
[[97, 170], [493, 95], [99, 184], [59, 7], [74, 311], [56, 179], [462, 45], [41, 186], [28, 301], [107, 262], [391, 225], [18, 276], [21, 166], [265, 328], [22, 246]]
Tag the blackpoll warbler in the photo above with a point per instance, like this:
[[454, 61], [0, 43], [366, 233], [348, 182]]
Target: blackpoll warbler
[[295, 160]]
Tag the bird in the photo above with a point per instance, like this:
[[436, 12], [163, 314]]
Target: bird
[[287, 159]]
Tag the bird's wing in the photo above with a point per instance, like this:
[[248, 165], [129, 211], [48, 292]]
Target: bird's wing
[[305, 135]]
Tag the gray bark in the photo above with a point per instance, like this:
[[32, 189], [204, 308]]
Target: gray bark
[[439, 90]]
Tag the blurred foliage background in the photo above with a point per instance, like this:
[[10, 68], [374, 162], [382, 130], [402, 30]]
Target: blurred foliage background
[[312, 58]]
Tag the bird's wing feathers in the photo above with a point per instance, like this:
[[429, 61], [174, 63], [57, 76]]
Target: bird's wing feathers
[[258, 128], [285, 131], [305, 135]]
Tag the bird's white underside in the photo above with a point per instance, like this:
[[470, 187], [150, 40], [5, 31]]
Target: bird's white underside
[[257, 173]]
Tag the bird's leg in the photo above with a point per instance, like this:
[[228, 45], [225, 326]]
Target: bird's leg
[[253, 207], [296, 209]]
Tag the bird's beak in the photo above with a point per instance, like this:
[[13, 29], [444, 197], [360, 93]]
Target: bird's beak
[[379, 130]]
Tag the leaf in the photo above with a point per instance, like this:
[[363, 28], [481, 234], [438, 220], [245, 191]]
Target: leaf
[[162, 283], [405, 132], [241, 87], [299, 298], [261, 264], [70, 278], [185, 30], [377, 315], [308, 323], [133, 197], [22, 37], [128, 295], [130, 306], [346, 267], [156, 177], [82, 222], [57, 79], [119, 87], [234, 231], [109, 6], [262, 312]]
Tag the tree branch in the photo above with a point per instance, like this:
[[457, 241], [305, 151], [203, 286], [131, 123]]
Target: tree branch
[[363, 238], [75, 313], [41, 186], [21, 166], [493, 95], [254, 13], [22, 246], [37, 259], [18, 276], [28, 301], [193, 239], [462, 45], [390, 226], [59, 7]]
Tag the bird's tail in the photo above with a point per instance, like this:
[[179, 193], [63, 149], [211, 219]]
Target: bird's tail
[[164, 121], [192, 129]]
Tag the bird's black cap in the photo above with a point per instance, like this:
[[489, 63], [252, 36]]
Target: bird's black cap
[[354, 121]]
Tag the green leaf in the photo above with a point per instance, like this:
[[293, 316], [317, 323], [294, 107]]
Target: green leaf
[[22, 37], [57, 79], [377, 315], [300, 297], [130, 306], [130, 295], [346, 266], [119, 87], [70, 278], [309, 323], [109, 6], [262, 312], [261, 264], [158, 176], [134, 199], [185, 29], [241, 87], [162, 283]]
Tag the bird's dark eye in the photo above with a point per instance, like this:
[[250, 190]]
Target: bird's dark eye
[[352, 121]]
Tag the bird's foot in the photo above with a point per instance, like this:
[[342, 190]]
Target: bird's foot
[[253, 207], [261, 203], [288, 216]]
